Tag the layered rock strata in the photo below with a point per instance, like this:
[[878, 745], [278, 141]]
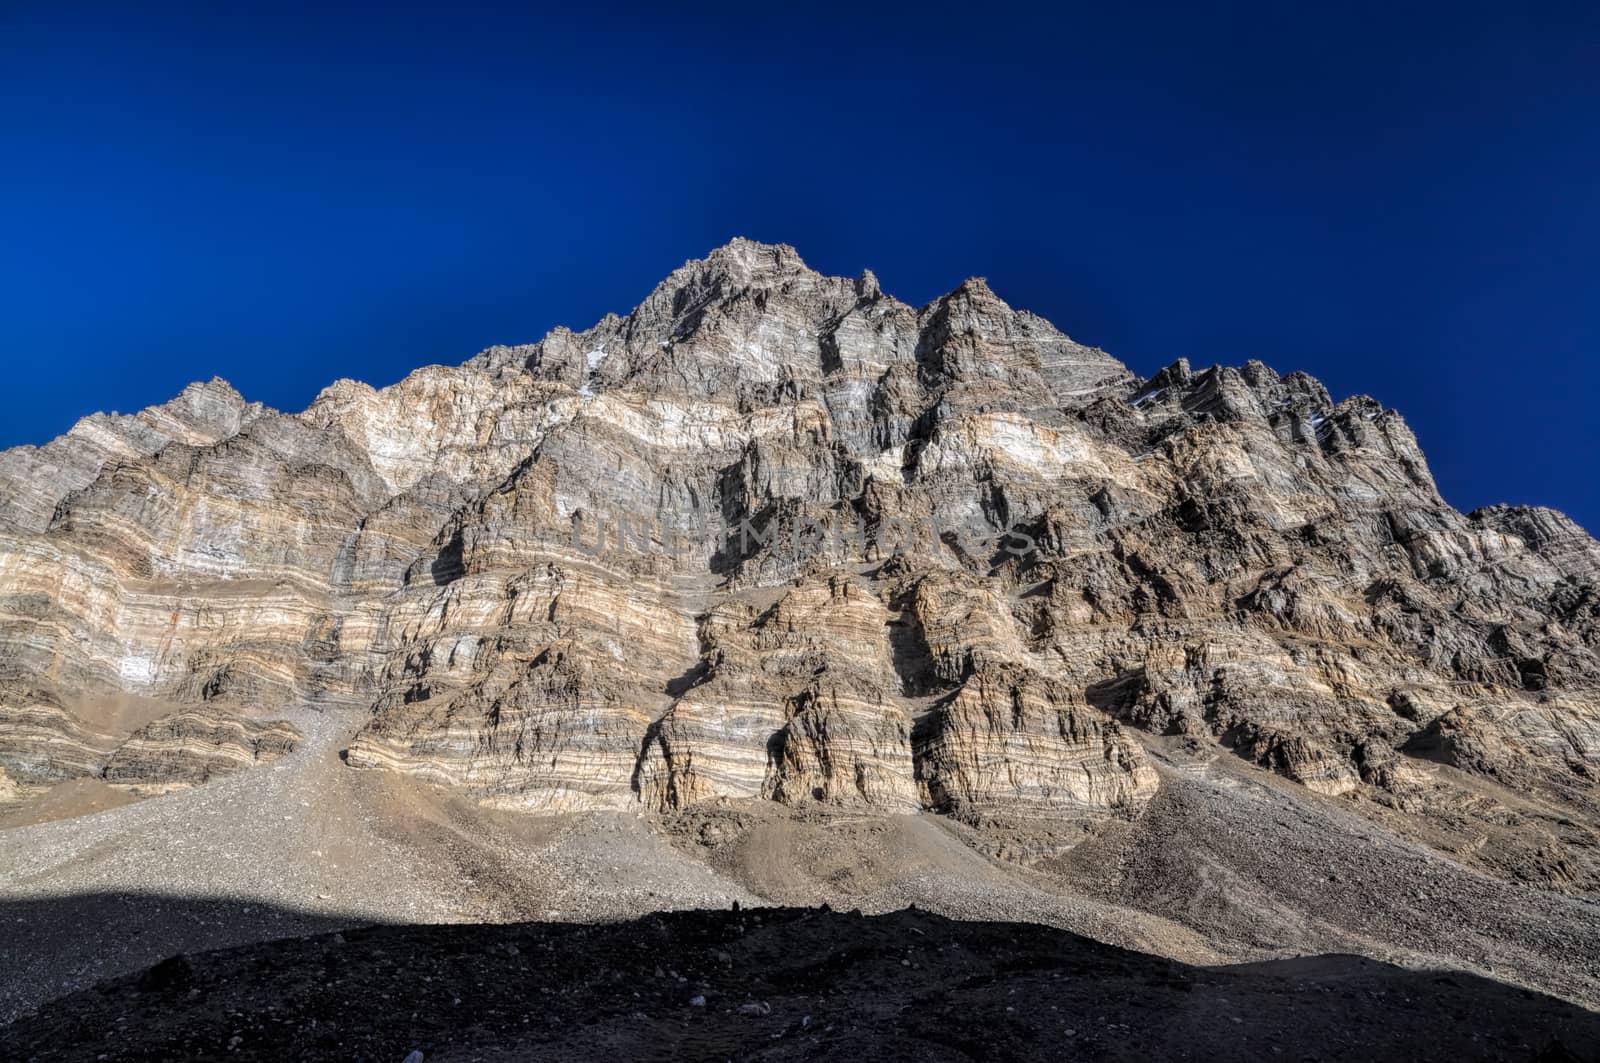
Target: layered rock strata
[[43, 742], [779, 537]]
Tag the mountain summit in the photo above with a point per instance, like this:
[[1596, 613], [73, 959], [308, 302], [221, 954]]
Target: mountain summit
[[818, 595]]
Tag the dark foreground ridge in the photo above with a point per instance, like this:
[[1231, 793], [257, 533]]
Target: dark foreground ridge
[[779, 984]]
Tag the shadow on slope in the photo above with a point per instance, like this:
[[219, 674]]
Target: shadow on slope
[[771, 983], [52, 945]]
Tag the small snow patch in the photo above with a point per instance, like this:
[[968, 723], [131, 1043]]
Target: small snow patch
[[591, 365]]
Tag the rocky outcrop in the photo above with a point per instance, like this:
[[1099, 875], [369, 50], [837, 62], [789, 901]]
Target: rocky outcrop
[[1009, 743], [192, 747], [41, 742], [779, 537], [33, 480], [44, 742]]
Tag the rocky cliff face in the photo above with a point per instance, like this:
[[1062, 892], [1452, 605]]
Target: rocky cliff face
[[779, 537]]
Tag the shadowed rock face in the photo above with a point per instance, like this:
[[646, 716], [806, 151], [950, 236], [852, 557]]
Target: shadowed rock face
[[779, 537]]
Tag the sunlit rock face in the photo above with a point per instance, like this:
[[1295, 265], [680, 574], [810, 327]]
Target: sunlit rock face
[[778, 537], [195, 746]]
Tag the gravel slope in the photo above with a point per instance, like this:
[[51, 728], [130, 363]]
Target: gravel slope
[[1228, 864], [782, 984]]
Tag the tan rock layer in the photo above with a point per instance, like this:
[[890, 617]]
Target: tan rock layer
[[192, 747], [1019, 543], [43, 744]]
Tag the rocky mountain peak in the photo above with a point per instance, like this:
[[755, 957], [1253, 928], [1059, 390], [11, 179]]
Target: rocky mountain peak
[[974, 291], [750, 262], [867, 286], [777, 542]]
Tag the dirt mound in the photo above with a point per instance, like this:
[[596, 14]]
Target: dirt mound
[[777, 984]]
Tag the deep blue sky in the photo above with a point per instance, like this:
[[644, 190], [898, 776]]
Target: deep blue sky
[[1403, 202]]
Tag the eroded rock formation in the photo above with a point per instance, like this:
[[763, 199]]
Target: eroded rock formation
[[780, 537]]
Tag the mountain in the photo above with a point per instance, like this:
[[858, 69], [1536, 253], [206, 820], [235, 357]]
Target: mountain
[[781, 589]]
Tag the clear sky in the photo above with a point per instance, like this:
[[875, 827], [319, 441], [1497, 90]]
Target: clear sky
[[1402, 199]]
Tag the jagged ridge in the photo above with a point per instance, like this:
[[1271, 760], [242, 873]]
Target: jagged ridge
[[1025, 547]]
